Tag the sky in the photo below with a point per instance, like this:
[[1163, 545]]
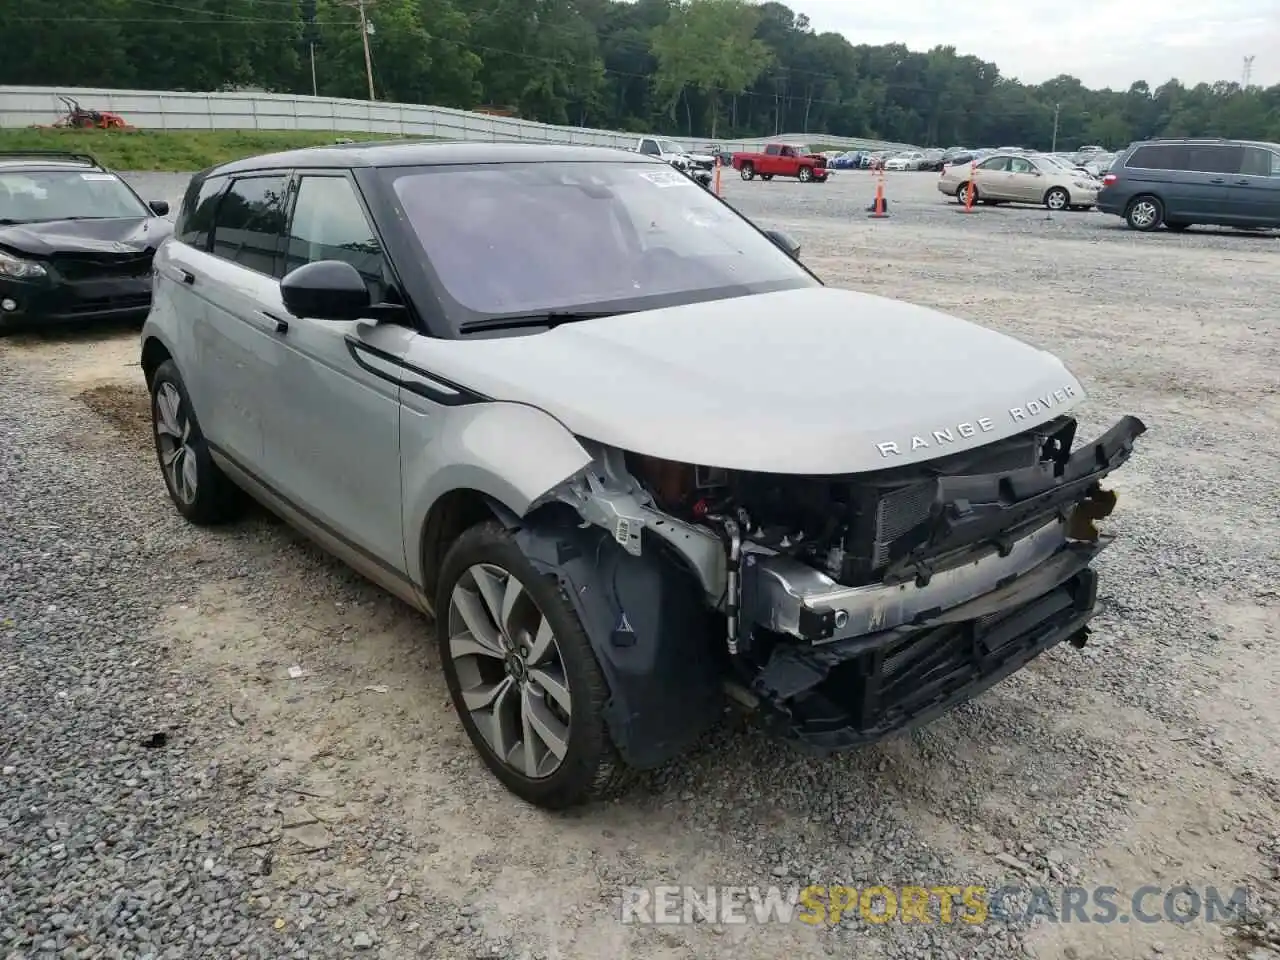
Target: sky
[[1105, 43]]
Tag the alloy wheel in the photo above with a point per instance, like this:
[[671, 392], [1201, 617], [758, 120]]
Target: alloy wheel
[[510, 670], [173, 431], [1143, 213], [1056, 200]]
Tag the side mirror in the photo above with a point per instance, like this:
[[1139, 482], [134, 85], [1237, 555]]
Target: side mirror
[[159, 207], [326, 290], [786, 242]]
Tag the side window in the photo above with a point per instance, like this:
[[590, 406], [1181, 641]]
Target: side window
[[1021, 165], [1159, 157], [195, 224], [329, 224], [649, 148], [772, 150], [787, 152], [995, 163], [1260, 162], [250, 222], [1215, 159]]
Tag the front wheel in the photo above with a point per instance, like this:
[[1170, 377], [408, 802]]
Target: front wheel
[[805, 174], [1057, 198], [748, 171], [522, 674], [203, 494], [1144, 213]]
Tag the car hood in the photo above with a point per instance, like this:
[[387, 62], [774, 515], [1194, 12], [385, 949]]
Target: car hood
[[811, 381], [125, 235]]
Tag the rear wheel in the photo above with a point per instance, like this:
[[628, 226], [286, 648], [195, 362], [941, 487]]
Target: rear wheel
[[203, 494], [748, 171], [522, 674], [962, 193], [1144, 213]]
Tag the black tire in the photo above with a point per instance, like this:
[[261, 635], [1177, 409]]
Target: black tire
[[1176, 227], [1144, 213], [216, 498], [1057, 198], [591, 769], [962, 193], [748, 171], [805, 174]]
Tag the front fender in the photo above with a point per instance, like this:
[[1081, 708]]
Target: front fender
[[511, 452], [650, 630]]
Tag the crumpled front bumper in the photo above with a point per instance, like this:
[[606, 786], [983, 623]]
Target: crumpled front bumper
[[1003, 576]]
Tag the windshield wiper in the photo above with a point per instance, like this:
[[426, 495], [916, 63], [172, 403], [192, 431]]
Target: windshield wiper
[[548, 318]]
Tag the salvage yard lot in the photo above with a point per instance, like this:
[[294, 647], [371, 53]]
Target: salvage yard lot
[[171, 782]]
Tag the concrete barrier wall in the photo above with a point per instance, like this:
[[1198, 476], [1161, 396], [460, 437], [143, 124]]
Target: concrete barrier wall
[[174, 110]]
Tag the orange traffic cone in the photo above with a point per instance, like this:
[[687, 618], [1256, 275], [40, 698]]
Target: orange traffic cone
[[880, 208], [971, 191]]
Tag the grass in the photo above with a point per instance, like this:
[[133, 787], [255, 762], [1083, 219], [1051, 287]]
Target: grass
[[170, 150]]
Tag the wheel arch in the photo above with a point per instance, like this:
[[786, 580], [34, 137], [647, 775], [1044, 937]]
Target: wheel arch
[[484, 461], [154, 353]]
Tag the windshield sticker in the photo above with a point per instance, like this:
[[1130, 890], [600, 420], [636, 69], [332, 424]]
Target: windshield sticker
[[665, 178], [96, 176]]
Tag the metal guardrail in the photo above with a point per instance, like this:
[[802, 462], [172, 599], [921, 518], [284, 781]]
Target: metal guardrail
[[178, 110]]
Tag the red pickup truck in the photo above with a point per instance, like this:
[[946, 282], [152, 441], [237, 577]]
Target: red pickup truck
[[782, 160]]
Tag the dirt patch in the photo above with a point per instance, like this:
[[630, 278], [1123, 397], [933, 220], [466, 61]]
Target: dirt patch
[[123, 406]]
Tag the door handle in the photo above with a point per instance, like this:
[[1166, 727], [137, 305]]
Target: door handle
[[1217, 179], [1243, 181], [280, 325], [187, 276]]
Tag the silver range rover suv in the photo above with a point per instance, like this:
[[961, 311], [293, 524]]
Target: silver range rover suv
[[632, 456]]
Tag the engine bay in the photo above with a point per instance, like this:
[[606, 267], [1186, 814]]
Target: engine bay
[[853, 528]]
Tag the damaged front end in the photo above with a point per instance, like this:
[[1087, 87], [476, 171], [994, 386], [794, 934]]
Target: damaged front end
[[855, 606]]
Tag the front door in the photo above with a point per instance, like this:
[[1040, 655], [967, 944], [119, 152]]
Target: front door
[[332, 435]]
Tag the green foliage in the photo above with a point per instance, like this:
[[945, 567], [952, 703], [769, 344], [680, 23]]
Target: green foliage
[[143, 150], [714, 68]]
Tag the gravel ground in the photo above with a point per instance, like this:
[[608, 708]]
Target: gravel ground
[[227, 745]]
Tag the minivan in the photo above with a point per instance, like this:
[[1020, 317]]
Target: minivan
[[1229, 183]]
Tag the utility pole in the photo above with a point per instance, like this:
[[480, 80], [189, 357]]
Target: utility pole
[[368, 60], [1247, 73], [1057, 107], [311, 36]]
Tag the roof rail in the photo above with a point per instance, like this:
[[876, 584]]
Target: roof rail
[[51, 155]]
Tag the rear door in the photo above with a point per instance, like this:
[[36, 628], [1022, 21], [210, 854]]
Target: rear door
[[1026, 182], [1253, 194], [991, 179], [1188, 178], [235, 345], [333, 431]]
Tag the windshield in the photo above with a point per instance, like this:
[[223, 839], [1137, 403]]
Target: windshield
[[28, 196], [522, 238], [670, 146]]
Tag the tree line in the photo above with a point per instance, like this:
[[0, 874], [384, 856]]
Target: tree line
[[708, 69]]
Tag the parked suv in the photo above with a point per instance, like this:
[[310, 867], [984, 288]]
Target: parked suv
[[515, 384], [1229, 183], [76, 241]]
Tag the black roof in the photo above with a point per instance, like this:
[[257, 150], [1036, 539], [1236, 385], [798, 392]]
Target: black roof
[[417, 153], [47, 160]]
